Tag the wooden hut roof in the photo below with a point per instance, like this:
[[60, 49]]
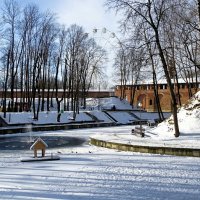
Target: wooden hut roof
[[37, 141]]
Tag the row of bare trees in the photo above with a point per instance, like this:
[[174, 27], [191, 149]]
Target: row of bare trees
[[40, 56], [161, 37]]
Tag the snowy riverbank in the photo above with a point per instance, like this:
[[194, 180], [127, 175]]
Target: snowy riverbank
[[87, 172], [93, 173]]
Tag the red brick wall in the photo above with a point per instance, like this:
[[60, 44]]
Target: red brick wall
[[90, 94], [148, 97]]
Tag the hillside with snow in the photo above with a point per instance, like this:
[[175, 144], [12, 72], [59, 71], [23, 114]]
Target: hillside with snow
[[163, 133], [188, 119], [92, 112], [113, 109], [108, 103]]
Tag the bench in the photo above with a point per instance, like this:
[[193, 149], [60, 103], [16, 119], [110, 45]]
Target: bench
[[151, 123], [138, 122], [138, 131]]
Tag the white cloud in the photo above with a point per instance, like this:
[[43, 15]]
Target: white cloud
[[87, 13]]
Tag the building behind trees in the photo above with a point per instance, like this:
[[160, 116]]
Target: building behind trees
[[144, 93]]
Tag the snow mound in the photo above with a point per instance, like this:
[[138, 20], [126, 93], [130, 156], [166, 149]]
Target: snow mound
[[188, 119], [194, 102]]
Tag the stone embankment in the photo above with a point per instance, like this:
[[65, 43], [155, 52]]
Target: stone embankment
[[53, 127], [146, 149]]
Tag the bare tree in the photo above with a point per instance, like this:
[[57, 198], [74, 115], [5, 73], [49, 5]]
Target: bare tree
[[151, 49], [152, 13], [92, 59], [83, 60], [11, 13]]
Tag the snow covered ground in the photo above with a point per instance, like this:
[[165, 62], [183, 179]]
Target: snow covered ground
[[163, 134], [122, 115], [188, 120], [93, 173], [94, 107], [123, 135]]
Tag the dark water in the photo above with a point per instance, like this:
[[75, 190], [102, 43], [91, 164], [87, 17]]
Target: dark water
[[24, 143]]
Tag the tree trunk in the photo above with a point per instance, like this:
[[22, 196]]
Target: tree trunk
[[173, 97]]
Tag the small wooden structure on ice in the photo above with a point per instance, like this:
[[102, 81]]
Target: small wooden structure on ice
[[39, 144]]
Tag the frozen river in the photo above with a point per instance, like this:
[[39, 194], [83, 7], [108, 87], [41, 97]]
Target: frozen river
[[24, 142], [86, 172]]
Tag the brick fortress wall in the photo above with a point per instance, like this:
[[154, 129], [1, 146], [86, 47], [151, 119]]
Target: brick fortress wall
[[145, 94]]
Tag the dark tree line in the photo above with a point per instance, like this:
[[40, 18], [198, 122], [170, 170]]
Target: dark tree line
[[40, 56]]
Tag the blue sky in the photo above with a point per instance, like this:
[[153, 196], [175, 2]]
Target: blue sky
[[87, 13]]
